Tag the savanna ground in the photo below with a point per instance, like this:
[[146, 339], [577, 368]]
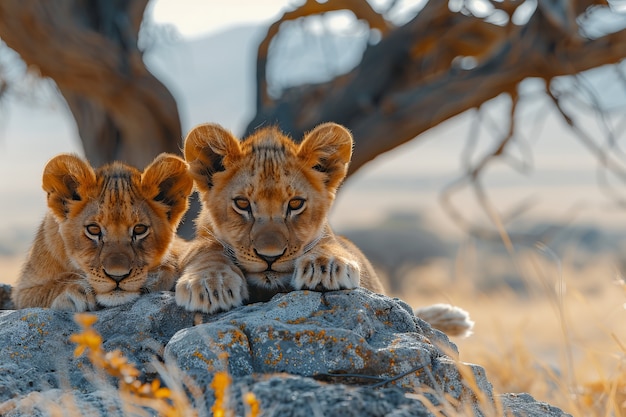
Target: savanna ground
[[561, 338], [548, 324]]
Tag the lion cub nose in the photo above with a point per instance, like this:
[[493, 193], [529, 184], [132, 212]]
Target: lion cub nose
[[117, 266], [269, 259], [269, 246]]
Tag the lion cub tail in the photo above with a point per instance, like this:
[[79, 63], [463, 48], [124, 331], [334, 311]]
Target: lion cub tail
[[451, 320]]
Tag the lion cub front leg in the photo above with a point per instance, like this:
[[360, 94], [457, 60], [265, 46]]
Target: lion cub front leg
[[326, 267], [77, 296], [64, 291], [210, 281]]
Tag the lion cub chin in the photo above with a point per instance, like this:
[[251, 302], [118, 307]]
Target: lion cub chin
[[108, 236]]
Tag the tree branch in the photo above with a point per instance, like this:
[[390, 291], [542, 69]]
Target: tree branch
[[361, 9], [412, 80]]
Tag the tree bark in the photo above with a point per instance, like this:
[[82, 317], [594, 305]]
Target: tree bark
[[412, 79], [89, 48]]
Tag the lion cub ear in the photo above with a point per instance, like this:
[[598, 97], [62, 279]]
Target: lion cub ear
[[167, 181], [66, 179], [327, 149], [209, 148]]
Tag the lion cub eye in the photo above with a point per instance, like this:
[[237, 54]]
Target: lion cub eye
[[242, 204], [93, 231], [296, 204], [140, 231]]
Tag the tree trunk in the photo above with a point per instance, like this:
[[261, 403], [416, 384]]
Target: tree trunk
[[89, 48]]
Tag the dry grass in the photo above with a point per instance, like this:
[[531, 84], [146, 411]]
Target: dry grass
[[562, 342], [135, 394]]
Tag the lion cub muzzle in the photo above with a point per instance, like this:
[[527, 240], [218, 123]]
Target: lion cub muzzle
[[117, 266], [269, 240]]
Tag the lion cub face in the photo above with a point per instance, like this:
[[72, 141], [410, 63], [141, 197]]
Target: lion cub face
[[266, 197], [116, 223]]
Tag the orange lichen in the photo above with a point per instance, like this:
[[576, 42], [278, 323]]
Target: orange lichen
[[278, 358], [238, 338], [200, 356], [297, 321]]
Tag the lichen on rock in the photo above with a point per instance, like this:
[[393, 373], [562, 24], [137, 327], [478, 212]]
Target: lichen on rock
[[334, 353]]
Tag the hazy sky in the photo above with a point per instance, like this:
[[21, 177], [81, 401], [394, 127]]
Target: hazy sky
[[199, 17]]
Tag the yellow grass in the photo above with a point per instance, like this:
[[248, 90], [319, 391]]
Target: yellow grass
[[563, 342]]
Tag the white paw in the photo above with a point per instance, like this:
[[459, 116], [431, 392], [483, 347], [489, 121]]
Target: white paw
[[218, 287], [325, 272], [76, 297]]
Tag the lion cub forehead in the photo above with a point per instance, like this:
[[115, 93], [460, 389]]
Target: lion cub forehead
[[270, 158], [119, 187], [269, 139]]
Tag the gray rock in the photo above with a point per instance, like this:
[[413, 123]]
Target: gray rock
[[303, 353], [522, 405]]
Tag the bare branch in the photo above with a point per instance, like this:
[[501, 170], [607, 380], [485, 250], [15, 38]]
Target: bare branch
[[413, 79], [605, 158], [361, 9], [472, 178]]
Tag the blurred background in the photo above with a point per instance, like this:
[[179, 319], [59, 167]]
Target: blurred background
[[489, 164]]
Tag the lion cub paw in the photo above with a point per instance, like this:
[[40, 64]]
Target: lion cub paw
[[325, 272], [76, 297], [212, 289]]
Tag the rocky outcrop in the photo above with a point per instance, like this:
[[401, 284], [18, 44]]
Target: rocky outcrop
[[342, 353]]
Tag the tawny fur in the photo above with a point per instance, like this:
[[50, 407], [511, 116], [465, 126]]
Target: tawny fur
[[263, 228], [450, 319], [108, 236]]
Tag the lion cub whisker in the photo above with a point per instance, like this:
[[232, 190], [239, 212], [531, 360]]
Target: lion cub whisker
[[312, 243]]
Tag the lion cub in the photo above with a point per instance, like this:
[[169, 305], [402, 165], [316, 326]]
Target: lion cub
[[108, 236], [264, 229]]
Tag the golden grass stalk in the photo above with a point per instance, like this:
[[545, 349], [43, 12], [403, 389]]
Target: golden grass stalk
[[133, 391], [137, 395]]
